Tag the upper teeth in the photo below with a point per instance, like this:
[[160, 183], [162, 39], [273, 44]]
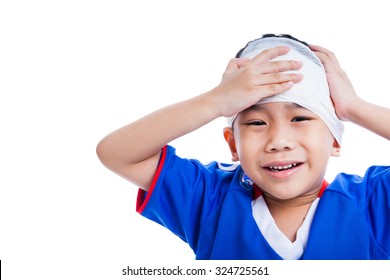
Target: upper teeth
[[283, 167]]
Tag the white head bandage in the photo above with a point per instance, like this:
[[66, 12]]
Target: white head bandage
[[312, 92]]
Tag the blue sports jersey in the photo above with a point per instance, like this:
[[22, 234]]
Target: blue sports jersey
[[209, 207]]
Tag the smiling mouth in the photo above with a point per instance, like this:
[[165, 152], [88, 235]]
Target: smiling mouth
[[283, 167]]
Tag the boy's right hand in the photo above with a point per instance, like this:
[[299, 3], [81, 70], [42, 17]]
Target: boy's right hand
[[247, 81], [133, 151]]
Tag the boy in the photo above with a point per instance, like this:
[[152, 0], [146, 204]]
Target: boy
[[278, 95]]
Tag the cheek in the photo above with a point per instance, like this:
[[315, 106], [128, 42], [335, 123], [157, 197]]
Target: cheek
[[322, 143], [248, 143]]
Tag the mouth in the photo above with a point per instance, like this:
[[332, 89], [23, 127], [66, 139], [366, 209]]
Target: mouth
[[282, 167]]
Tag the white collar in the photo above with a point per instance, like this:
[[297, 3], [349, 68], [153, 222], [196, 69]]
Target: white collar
[[276, 239]]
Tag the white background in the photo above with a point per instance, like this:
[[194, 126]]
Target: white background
[[73, 71]]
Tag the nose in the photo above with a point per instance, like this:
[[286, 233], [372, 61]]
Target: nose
[[280, 138]]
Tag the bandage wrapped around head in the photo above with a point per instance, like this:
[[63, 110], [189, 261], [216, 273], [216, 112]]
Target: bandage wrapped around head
[[312, 92]]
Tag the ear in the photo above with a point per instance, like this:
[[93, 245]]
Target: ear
[[231, 141], [336, 149]]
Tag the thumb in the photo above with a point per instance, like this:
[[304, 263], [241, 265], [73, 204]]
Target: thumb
[[241, 61], [235, 63]]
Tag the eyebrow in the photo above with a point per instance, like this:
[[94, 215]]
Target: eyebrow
[[288, 105]]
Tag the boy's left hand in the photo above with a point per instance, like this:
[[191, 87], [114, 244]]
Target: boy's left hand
[[341, 89]]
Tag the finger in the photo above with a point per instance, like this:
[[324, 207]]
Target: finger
[[324, 54], [278, 78], [273, 89], [321, 56], [331, 64], [268, 54], [232, 66], [242, 61], [320, 49], [280, 66]]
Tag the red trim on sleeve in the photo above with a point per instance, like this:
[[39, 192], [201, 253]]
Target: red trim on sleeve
[[142, 201]]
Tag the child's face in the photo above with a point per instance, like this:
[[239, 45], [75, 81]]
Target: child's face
[[284, 148]]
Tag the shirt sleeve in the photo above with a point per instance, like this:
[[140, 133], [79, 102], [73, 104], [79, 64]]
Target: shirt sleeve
[[378, 179], [183, 193]]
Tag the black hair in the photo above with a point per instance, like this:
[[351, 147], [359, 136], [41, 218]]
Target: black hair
[[272, 35]]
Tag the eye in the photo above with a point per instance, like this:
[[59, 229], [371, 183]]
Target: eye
[[256, 123], [300, 119]]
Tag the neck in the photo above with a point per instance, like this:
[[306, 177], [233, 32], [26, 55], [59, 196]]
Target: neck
[[295, 202], [305, 199], [289, 214]]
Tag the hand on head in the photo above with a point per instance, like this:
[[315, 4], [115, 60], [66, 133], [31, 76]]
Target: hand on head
[[246, 81]]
